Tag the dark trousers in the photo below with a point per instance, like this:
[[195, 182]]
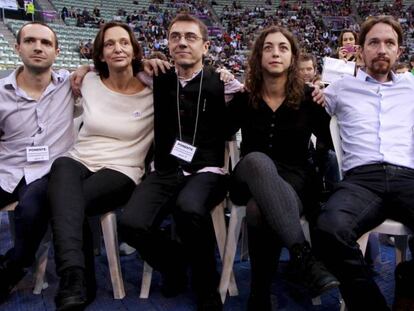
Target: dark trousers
[[189, 199], [75, 192], [31, 218], [272, 214], [264, 251], [364, 199], [256, 176]]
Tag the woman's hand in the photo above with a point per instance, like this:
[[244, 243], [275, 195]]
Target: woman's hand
[[76, 79], [152, 66], [347, 52]]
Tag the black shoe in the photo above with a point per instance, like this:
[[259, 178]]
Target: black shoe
[[10, 275], [259, 302], [72, 294], [404, 293], [174, 284], [210, 302], [314, 274]]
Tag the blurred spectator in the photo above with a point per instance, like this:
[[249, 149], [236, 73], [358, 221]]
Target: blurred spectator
[[72, 12], [96, 12], [64, 13], [308, 68], [347, 48], [401, 67], [85, 49]]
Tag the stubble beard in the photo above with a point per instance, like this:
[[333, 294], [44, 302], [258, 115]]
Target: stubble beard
[[380, 68], [38, 69]]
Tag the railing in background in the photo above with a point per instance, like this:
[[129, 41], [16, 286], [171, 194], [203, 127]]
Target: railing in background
[[21, 14]]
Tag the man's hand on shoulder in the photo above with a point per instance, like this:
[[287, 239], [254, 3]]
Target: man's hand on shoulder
[[225, 75], [154, 65], [317, 94], [77, 78]]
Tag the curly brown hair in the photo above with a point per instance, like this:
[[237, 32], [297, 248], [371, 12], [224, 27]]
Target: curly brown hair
[[294, 88]]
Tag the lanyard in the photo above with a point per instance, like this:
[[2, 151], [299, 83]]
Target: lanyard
[[198, 107]]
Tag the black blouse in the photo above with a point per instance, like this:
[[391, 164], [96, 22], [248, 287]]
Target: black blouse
[[283, 135]]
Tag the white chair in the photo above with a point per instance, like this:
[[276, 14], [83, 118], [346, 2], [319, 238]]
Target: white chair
[[389, 226], [219, 224], [110, 236], [237, 214], [108, 224]]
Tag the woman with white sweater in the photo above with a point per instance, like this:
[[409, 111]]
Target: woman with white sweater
[[106, 162]]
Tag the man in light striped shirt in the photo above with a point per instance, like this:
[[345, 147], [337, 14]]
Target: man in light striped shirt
[[36, 127]]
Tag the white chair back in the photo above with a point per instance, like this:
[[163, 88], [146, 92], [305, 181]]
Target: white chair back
[[336, 139]]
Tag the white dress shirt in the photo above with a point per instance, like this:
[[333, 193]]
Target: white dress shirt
[[376, 120]]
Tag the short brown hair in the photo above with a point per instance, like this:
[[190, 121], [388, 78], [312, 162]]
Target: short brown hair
[[19, 32], [192, 19], [98, 46], [401, 66], [294, 87], [304, 57], [373, 20]]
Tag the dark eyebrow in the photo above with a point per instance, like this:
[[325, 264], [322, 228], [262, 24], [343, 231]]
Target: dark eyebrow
[[41, 40], [46, 41]]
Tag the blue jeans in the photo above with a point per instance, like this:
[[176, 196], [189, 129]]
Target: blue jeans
[[367, 196], [31, 219]]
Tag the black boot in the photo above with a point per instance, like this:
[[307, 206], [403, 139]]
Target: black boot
[[313, 273], [404, 292], [262, 302], [72, 293], [10, 274], [209, 302], [174, 284]]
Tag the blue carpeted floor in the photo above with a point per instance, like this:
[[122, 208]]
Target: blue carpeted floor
[[287, 295]]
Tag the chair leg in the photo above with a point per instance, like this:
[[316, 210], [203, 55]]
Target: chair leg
[[219, 224], [236, 217], [108, 223], [41, 264], [146, 281], [305, 228], [343, 306], [244, 245], [363, 241]]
